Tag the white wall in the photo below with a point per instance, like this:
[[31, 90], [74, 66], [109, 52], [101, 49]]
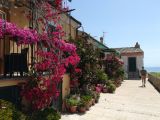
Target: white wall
[[125, 60], [139, 62]]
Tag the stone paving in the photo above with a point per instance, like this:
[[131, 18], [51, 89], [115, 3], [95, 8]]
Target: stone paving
[[129, 102]]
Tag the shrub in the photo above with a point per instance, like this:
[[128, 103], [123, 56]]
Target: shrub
[[46, 114], [81, 103], [114, 67], [111, 88], [120, 73], [109, 82], [86, 98], [101, 76], [97, 96], [89, 62], [9, 112], [125, 76], [155, 74], [72, 102], [87, 92]]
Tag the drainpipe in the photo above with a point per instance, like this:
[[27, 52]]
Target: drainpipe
[[77, 30]]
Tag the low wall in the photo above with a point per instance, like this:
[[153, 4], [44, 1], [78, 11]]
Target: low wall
[[154, 81]]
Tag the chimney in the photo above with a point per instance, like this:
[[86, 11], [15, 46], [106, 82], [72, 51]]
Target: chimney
[[137, 45], [101, 40]]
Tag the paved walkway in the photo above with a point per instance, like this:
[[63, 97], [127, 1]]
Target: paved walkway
[[130, 102]]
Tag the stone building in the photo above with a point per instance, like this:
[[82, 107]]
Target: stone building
[[133, 60]]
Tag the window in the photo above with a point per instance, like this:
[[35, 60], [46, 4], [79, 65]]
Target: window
[[51, 28]]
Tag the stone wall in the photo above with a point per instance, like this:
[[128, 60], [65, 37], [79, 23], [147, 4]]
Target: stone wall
[[154, 81]]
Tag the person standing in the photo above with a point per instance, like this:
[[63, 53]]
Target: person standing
[[143, 73]]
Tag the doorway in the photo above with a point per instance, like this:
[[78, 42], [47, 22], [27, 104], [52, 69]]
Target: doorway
[[132, 64]]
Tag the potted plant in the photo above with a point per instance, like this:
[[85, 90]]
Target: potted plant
[[117, 82], [111, 88], [97, 97], [82, 106], [87, 99], [8, 111], [104, 90], [72, 103], [93, 101]]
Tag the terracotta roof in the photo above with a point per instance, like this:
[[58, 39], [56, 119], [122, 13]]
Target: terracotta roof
[[129, 50]]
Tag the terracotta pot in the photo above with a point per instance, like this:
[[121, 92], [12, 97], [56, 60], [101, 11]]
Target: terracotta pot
[[73, 109], [82, 109], [90, 103], [118, 84], [105, 90], [93, 101], [96, 100], [87, 106]]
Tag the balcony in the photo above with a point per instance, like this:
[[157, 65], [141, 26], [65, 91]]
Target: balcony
[[15, 60]]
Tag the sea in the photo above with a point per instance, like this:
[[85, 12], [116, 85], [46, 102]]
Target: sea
[[152, 69]]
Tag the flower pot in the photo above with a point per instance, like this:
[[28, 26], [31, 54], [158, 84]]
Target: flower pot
[[93, 101], [105, 90], [73, 109], [118, 84], [82, 109], [111, 91], [96, 100], [87, 106], [90, 103]]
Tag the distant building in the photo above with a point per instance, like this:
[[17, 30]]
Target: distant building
[[133, 60], [92, 40], [97, 44]]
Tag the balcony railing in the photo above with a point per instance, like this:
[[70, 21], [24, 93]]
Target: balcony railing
[[15, 60]]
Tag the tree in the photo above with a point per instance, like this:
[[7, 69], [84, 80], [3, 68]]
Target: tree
[[89, 63]]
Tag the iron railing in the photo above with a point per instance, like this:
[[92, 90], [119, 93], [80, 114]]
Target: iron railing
[[15, 60]]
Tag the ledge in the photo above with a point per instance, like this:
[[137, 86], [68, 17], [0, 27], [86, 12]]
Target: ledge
[[155, 82], [11, 81]]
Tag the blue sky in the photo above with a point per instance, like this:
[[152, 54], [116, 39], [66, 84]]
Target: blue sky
[[124, 22]]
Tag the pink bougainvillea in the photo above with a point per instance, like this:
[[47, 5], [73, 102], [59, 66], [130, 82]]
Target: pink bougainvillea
[[40, 90], [113, 65], [26, 36]]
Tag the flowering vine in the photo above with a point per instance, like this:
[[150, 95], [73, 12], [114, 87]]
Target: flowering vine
[[26, 36], [40, 90], [113, 65]]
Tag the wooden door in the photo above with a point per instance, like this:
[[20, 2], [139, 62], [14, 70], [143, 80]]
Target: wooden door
[[132, 64]]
